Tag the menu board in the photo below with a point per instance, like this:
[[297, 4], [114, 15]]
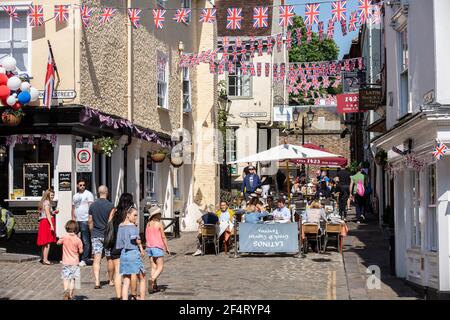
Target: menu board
[[36, 178]]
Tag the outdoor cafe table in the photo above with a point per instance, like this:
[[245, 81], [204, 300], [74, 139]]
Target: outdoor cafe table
[[343, 231], [268, 238]]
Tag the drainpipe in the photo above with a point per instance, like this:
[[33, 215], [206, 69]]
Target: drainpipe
[[129, 62]]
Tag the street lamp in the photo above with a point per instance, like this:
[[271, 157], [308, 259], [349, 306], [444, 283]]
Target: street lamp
[[305, 124]]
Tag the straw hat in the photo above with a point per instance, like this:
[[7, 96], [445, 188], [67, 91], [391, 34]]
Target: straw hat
[[258, 191], [154, 211]]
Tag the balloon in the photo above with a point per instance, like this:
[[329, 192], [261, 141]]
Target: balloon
[[25, 86], [14, 83], [34, 93], [4, 92], [3, 79], [17, 106], [11, 101], [2, 70], [9, 63], [24, 97]]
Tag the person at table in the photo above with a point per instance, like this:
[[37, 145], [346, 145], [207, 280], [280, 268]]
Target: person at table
[[250, 183], [281, 214], [257, 215], [209, 217], [323, 191], [226, 221], [270, 204], [296, 188], [315, 213], [324, 177]]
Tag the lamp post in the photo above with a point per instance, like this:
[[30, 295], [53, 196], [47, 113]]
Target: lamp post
[[305, 124]]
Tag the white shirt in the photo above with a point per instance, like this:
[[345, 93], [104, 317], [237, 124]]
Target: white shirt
[[282, 215], [81, 203]]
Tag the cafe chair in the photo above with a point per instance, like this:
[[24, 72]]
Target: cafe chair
[[333, 230], [312, 233], [209, 235]]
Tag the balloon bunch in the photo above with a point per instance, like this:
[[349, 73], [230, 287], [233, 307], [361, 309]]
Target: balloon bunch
[[14, 91]]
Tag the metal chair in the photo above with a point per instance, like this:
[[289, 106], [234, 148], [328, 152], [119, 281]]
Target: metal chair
[[209, 235], [311, 231], [333, 229]]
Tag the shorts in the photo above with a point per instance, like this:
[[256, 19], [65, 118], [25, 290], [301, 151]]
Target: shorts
[[155, 252], [70, 272], [97, 247]]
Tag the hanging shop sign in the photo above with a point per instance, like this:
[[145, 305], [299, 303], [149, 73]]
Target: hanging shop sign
[[253, 114], [65, 181], [348, 103], [36, 178], [83, 155], [369, 98]]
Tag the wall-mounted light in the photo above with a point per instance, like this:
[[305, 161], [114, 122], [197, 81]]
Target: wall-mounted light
[[180, 47]]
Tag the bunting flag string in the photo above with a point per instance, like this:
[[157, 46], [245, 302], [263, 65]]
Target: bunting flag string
[[367, 11]]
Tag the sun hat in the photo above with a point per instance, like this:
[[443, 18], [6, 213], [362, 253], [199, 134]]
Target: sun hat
[[154, 211], [258, 191]]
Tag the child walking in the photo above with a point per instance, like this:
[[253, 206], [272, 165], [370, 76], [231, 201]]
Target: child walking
[[129, 241], [156, 245], [72, 248]]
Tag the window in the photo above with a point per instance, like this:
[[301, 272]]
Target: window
[[151, 176], [163, 80], [161, 3], [238, 84], [187, 106], [15, 38], [230, 141], [404, 85], [187, 4], [177, 183], [416, 234], [432, 229]]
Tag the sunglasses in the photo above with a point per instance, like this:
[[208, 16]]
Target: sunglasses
[[81, 185]]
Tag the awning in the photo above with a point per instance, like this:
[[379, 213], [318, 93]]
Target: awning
[[321, 161]]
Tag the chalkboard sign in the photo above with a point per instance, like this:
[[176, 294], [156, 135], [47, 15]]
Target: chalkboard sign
[[36, 178], [274, 237]]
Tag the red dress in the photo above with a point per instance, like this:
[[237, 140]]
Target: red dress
[[45, 234]]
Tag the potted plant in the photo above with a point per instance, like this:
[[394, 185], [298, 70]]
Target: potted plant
[[159, 155], [12, 118], [176, 159], [105, 145], [381, 158]]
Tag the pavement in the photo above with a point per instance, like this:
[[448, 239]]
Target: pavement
[[329, 276]]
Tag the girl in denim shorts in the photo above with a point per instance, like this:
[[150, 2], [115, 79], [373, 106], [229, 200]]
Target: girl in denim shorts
[[156, 243]]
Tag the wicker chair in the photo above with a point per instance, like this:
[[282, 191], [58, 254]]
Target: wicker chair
[[312, 233], [209, 235], [333, 230]]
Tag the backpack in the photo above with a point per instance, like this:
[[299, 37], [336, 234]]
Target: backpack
[[108, 242], [360, 188], [7, 223]]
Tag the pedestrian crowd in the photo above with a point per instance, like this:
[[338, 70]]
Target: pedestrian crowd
[[98, 229]]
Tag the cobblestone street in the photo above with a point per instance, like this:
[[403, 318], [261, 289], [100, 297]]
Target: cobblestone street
[[314, 276]]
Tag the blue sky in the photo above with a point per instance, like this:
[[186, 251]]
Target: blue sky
[[325, 14]]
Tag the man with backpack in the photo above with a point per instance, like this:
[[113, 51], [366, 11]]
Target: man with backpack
[[357, 191]]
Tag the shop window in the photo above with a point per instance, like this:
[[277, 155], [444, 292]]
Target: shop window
[[41, 151], [151, 176], [432, 225], [15, 38]]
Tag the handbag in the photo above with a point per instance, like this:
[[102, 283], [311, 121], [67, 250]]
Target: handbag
[[108, 241]]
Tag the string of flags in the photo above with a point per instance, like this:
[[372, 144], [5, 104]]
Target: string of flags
[[440, 150], [366, 12]]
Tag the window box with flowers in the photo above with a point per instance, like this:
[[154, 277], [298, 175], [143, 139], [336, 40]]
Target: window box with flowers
[[105, 145]]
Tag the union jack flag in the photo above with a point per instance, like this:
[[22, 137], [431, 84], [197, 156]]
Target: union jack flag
[[11, 11], [182, 15], [208, 16], [338, 9], [36, 15], [440, 150], [364, 10], [258, 69], [308, 34], [86, 14], [376, 14], [49, 81], [269, 45], [320, 30], [238, 42], [234, 18], [107, 15], [244, 68], [61, 13], [225, 43], [252, 69], [298, 32], [330, 30], [288, 40], [260, 47], [286, 16], [267, 69], [135, 16], [260, 17], [158, 18], [352, 22], [312, 13]]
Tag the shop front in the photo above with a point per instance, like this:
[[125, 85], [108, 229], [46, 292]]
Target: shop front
[[54, 148]]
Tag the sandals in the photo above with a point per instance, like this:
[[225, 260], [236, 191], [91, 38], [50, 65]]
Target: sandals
[[133, 297], [97, 287], [66, 295]]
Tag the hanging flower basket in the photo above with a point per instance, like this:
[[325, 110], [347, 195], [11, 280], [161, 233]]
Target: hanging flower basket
[[105, 145], [159, 155], [381, 157], [176, 160], [12, 118]]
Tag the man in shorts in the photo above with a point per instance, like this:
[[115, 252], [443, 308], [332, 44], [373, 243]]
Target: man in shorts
[[98, 220]]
